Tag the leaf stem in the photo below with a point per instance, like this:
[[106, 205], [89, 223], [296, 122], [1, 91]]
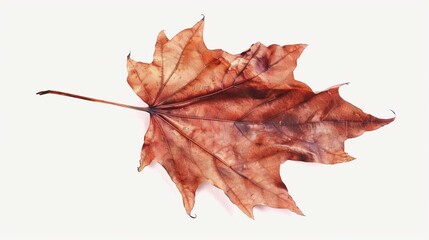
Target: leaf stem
[[145, 109]]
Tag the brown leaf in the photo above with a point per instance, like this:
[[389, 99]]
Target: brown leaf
[[231, 120]]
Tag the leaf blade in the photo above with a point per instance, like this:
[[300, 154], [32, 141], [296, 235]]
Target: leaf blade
[[232, 120]]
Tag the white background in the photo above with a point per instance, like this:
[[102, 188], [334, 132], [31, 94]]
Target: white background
[[68, 167]]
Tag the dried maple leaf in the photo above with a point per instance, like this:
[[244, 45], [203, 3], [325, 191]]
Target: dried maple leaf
[[231, 120]]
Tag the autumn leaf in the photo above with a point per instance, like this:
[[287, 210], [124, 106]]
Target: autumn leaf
[[232, 119]]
